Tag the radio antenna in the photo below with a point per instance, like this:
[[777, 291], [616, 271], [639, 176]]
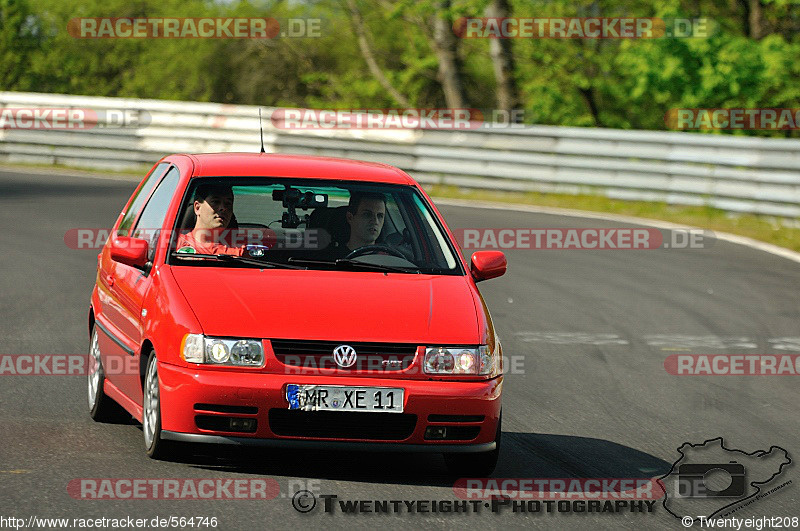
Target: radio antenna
[[261, 129]]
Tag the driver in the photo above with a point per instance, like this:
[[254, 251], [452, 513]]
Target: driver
[[366, 213], [213, 209]]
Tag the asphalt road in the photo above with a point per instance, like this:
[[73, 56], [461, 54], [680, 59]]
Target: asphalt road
[[592, 398]]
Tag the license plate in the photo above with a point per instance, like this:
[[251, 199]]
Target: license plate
[[342, 398]]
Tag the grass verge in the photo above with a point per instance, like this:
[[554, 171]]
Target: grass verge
[[777, 231]]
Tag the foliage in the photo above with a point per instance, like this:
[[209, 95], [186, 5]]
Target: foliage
[[623, 83]]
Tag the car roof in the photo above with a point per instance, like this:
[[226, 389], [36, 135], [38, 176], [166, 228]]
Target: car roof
[[305, 166]]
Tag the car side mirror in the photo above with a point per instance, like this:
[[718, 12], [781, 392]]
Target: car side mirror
[[129, 251], [488, 264]]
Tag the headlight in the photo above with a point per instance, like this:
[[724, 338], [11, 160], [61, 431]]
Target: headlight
[[460, 360], [247, 352], [217, 351], [439, 361]]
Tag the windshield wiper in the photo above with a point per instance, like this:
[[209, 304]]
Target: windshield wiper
[[377, 267], [356, 263], [237, 259]]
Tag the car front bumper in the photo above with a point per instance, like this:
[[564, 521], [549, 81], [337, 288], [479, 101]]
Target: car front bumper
[[473, 406]]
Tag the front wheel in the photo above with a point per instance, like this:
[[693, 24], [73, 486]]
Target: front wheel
[[156, 447], [478, 465]]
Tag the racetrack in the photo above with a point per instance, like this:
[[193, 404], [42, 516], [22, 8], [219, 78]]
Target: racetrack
[[593, 399]]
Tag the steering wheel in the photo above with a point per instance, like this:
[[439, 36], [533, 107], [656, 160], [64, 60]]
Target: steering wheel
[[371, 249]]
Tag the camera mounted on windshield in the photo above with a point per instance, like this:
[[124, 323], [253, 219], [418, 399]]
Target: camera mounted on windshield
[[292, 199]]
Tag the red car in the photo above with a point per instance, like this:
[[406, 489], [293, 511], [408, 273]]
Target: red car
[[294, 301]]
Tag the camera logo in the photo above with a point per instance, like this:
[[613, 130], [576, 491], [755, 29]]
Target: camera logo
[[710, 479], [724, 480]]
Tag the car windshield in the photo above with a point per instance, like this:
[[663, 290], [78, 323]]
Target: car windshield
[[310, 224]]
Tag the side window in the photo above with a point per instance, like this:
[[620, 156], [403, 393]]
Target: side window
[[141, 196], [152, 219]]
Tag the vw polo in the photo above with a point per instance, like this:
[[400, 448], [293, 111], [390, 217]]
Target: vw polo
[[295, 301]]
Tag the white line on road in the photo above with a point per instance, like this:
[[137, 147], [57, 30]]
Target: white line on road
[[661, 341]]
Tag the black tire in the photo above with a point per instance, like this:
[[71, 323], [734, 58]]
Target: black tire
[[155, 446], [475, 465], [102, 408]]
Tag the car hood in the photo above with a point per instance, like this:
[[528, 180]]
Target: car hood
[[332, 305]]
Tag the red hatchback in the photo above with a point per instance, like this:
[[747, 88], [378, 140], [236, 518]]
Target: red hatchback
[[295, 301]]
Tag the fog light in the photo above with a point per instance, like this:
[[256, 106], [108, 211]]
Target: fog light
[[220, 423], [242, 424], [435, 432]]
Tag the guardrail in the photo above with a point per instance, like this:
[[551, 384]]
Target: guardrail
[[737, 174]]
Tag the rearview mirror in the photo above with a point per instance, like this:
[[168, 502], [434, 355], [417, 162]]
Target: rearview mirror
[[129, 251], [488, 264]]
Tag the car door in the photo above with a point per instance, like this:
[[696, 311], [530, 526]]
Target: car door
[[131, 283], [115, 332]]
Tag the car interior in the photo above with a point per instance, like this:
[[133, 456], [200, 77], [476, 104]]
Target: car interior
[[290, 213]]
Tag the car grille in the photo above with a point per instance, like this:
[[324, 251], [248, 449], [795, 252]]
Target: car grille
[[319, 355], [342, 424]]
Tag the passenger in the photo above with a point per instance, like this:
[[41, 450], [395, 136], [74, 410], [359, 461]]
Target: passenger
[[213, 210]]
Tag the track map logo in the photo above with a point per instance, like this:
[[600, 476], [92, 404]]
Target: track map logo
[[712, 481]]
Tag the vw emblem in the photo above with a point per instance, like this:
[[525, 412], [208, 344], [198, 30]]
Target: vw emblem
[[344, 356]]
